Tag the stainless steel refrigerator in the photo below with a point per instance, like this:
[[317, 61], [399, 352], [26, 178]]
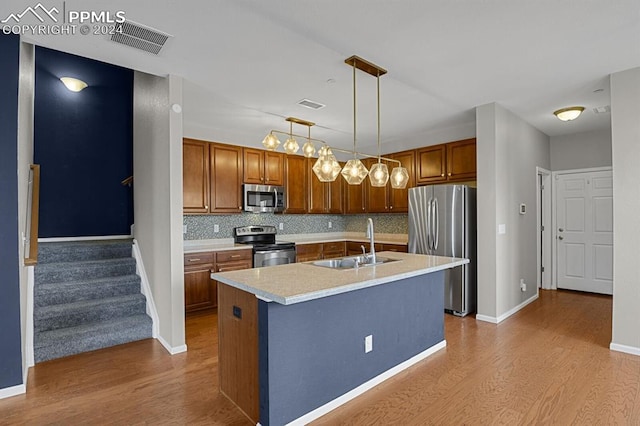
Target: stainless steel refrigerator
[[442, 222]]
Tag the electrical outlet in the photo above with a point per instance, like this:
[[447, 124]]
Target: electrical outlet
[[184, 229], [216, 228], [330, 225], [523, 285], [281, 226], [368, 344]]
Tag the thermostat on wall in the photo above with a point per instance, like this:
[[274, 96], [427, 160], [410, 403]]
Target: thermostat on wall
[[523, 208]]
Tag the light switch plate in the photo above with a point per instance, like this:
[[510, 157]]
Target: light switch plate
[[368, 344], [502, 228], [216, 228]]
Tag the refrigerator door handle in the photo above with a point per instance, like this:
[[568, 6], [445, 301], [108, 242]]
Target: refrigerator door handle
[[429, 225], [436, 216]]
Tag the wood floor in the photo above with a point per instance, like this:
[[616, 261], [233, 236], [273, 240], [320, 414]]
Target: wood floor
[[548, 364]]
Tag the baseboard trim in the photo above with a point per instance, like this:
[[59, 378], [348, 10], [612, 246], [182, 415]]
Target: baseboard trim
[[96, 238], [13, 391], [507, 314], [172, 350], [632, 350], [145, 288], [332, 405]]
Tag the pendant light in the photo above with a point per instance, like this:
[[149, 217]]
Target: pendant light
[[379, 173], [291, 145], [326, 167], [271, 142], [354, 171], [399, 177]]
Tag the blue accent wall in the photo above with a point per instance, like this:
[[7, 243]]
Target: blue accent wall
[[10, 339], [84, 144], [313, 352]]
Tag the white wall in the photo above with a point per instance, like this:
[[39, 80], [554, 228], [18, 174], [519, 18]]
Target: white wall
[[508, 151], [581, 150], [25, 159], [157, 171], [625, 129]]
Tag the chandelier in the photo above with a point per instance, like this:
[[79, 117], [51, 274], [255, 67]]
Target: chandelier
[[327, 168]]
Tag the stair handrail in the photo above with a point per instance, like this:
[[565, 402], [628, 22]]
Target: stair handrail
[[33, 208]]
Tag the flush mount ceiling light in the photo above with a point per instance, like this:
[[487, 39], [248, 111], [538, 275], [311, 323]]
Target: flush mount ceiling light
[[569, 113], [73, 84]]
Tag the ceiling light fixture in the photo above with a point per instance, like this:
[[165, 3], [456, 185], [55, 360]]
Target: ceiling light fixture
[[569, 113], [73, 84], [379, 173]]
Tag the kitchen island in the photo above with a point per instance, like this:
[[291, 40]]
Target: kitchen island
[[298, 340]]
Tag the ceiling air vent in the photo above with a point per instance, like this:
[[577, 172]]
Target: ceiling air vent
[[141, 37], [311, 104], [602, 109]]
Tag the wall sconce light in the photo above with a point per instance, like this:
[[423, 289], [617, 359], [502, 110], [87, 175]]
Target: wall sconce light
[[569, 113], [73, 84]]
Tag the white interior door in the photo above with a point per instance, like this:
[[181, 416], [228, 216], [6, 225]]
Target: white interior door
[[584, 234]]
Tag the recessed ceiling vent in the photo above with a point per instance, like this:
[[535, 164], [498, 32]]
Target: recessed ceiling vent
[[141, 37], [602, 109], [311, 104]]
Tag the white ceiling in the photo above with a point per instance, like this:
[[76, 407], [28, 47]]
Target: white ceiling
[[246, 63]]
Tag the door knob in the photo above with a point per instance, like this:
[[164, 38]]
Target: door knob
[[560, 229], [561, 237]]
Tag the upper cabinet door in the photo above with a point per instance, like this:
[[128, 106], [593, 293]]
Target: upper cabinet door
[[195, 176], [431, 165], [399, 198], [317, 191], [253, 160], [354, 198], [226, 178], [273, 168], [296, 183], [461, 160], [335, 197], [377, 197]]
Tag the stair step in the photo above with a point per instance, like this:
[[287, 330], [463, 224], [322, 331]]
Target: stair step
[[75, 291], [73, 251], [88, 311], [76, 271], [88, 337]]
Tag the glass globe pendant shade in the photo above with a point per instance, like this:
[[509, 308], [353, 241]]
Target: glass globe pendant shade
[[291, 145], [399, 178], [354, 172], [379, 174], [326, 169], [308, 149], [271, 142]]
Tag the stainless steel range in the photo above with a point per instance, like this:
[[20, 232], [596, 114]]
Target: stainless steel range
[[266, 252]]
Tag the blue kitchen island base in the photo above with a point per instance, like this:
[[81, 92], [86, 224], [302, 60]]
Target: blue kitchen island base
[[312, 354]]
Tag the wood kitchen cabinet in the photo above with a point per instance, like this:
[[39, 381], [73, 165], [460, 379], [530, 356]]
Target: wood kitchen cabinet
[[376, 197], [399, 198], [450, 162], [354, 248], [296, 183], [400, 248], [200, 291], [308, 252], [199, 288], [324, 197], [354, 199], [195, 176], [263, 167], [461, 160], [226, 178], [334, 249], [431, 164]]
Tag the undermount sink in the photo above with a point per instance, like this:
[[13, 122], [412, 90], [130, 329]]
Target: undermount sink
[[351, 262]]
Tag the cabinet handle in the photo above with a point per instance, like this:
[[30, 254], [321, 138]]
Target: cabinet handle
[[261, 179], [391, 207], [239, 207], [442, 175], [206, 207], [449, 173], [194, 260], [234, 256]]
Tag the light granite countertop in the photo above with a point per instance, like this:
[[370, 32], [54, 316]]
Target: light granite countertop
[[197, 246], [300, 282]]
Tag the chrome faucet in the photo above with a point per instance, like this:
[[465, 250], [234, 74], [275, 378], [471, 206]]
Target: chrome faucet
[[372, 254]]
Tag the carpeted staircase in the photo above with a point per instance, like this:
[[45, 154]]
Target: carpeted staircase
[[86, 297]]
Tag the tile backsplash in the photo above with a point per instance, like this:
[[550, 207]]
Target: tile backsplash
[[202, 227]]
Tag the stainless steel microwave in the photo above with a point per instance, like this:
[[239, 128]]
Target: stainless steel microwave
[[263, 198]]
